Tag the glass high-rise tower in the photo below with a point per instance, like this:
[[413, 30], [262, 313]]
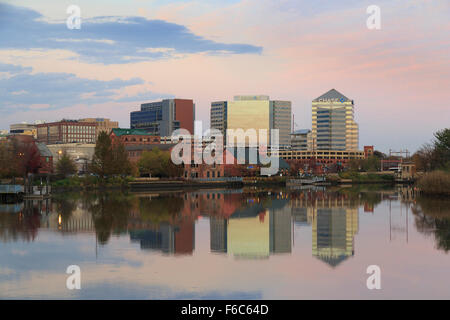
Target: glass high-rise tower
[[333, 124]]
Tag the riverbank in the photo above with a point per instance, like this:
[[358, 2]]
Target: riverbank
[[353, 177], [434, 183], [90, 183]]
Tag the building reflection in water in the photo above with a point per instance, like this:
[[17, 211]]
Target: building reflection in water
[[245, 224], [333, 232], [256, 230]]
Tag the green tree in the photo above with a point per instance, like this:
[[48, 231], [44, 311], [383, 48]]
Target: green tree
[[65, 165], [169, 168], [158, 163], [436, 155], [120, 163], [109, 158], [150, 163], [371, 164], [102, 159], [442, 148]]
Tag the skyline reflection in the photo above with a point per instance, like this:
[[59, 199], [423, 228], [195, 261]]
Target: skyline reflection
[[244, 224]]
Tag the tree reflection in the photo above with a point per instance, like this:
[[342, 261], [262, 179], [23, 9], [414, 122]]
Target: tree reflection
[[22, 225], [160, 209], [432, 216], [110, 213]]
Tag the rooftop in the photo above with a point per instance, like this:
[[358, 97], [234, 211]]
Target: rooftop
[[150, 147], [333, 94], [301, 131], [43, 150], [128, 132]]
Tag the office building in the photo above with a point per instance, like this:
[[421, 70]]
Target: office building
[[333, 124], [67, 131], [103, 124], [163, 117], [280, 118], [23, 128], [253, 112], [301, 140]]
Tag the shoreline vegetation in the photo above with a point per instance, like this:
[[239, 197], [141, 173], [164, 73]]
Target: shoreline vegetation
[[136, 184], [435, 183]]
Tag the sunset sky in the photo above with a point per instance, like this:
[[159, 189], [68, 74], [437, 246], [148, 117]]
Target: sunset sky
[[134, 51]]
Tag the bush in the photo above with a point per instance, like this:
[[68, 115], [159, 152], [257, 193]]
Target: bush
[[436, 182]]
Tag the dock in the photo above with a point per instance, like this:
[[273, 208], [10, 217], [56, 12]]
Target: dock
[[11, 192]]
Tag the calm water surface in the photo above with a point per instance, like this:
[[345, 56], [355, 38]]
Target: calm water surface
[[228, 244]]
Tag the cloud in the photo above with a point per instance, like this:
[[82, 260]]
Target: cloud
[[22, 89], [13, 69], [144, 96], [108, 39]]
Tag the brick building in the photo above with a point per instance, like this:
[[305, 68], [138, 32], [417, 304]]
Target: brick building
[[67, 131], [129, 137]]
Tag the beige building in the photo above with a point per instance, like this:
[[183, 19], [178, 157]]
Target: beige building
[[250, 113], [24, 128], [103, 124], [333, 124]]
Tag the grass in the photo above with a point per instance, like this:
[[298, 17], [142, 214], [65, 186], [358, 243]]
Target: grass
[[435, 183]]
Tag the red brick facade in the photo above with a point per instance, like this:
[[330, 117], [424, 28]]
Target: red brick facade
[[184, 113]]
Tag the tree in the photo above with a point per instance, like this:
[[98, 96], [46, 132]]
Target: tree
[[26, 156], [151, 163], [435, 155], [169, 168], [102, 159], [119, 162], [109, 158], [159, 164], [379, 154], [371, 164], [65, 165], [425, 158], [442, 148], [7, 169]]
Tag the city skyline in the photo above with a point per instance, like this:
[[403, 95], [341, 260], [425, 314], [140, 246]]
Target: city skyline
[[397, 75]]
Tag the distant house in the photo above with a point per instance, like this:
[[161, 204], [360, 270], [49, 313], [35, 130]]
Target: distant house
[[46, 158]]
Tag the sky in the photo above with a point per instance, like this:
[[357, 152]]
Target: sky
[[134, 51]]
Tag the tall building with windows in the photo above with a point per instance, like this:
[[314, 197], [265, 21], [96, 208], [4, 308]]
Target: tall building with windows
[[253, 112], [280, 118], [67, 131], [333, 124], [163, 117], [301, 140]]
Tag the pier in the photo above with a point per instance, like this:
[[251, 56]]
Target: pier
[[11, 192]]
